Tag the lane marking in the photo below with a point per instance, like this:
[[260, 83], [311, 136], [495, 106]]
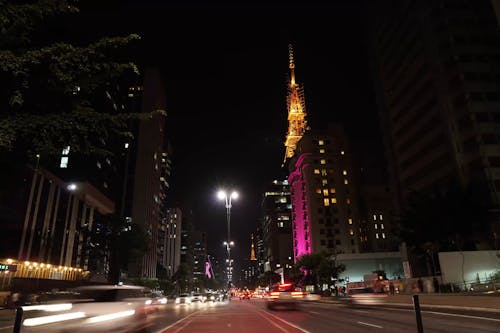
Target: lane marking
[[368, 324], [459, 315], [315, 312], [177, 322], [286, 322], [6, 327], [361, 311], [274, 324]]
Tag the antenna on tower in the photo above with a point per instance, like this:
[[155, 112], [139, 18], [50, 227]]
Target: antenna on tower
[[290, 56]]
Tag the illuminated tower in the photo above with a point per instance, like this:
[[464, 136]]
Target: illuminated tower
[[252, 251], [297, 123]]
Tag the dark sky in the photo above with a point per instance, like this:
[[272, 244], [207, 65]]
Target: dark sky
[[224, 69]]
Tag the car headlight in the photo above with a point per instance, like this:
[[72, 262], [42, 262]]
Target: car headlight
[[177, 300]]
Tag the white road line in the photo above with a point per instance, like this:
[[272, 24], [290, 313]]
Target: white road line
[[6, 327], [315, 312], [459, 315], [274, 324], [368, 324], [175, 323], [286, 322], [361, 311]]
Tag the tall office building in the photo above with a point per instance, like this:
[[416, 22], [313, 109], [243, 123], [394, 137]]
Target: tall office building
[[151, 165], [169, 242], [437, 81], [323, 186], [277, 226], [199, 243]]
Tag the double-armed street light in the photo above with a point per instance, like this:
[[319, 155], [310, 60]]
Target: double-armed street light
[[222, 195]]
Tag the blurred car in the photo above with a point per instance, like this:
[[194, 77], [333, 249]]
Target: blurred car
[[312, 297], [183, 299], [92, 309], [244, 295], [285, 295], [197, 297], [365, 296]]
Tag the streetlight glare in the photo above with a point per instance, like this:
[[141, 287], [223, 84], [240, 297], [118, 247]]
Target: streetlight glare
[[234, 195], [71, 187], [221, 195], [231, 243]]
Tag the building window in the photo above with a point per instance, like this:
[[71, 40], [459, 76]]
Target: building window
[[325, 192], [326, 202], [349, 221], [323, 172], [337, 242], [324, 182], [376, 235], [380, 217], [383, 235], [65, 150], [332, 190], [346, 181], [342, 152], [351, 232], [374, 217], [381, 226], [64, 162], [334, 200], [316, 171], [321, 151], [323, 242], [318, 190], [348, 201], [376, 226], [322, 161], [344, 172], [321, 142]]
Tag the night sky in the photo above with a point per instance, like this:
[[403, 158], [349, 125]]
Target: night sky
[[225, 70]]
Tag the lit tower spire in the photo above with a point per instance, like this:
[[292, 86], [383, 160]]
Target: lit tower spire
[[297, 123], [252, 251]]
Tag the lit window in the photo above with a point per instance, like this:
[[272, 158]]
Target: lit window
[[346, 181], [98, 164], [325, 192], [65, 150], [323, 161], [334, 200], [381, 226], [376, 226], [324, 182], [64, 162], [321, 142], [383, 235], [321, 151], [350, 221], [318, 190], [326, 201], [126, 145], [351, 232], [376, 236], [332, 190], [316, 171], [323, 172], [348, 201], [380, 216], [344, 172], [374, 217], [342, 152]]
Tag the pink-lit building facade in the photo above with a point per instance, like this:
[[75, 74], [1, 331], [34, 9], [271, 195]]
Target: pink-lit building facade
[[323, 187]]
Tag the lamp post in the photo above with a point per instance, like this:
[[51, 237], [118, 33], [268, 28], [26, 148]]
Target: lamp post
[[222, 195]]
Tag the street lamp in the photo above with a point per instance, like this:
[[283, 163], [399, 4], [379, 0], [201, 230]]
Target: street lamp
[[222, 195]]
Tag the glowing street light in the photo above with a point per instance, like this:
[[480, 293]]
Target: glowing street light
[[72, 187], [222, 195]]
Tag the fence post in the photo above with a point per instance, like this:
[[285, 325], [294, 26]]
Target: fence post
[[418, 314], [19, 318]]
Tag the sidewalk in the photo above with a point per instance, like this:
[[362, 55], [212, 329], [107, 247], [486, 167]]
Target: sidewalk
[[444, 301]]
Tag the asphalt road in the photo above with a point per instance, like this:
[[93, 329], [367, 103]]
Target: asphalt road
[[252, 316]]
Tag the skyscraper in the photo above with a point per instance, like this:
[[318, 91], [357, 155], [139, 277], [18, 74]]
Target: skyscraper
[[437, 74], [170, 241], [151, 165], [323, 187]]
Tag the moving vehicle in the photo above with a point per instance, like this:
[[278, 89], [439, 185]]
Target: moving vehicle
[[245, 295], [365, 296], [197, 297], [92, 309], [183, 299], [284, 295]]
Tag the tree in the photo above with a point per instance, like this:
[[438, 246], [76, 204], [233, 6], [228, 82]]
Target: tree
[[49, 87], [318, 268], [182, 278], [268, 278]]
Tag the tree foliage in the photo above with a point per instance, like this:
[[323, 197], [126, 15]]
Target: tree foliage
[[318, 268], [49, 87]]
